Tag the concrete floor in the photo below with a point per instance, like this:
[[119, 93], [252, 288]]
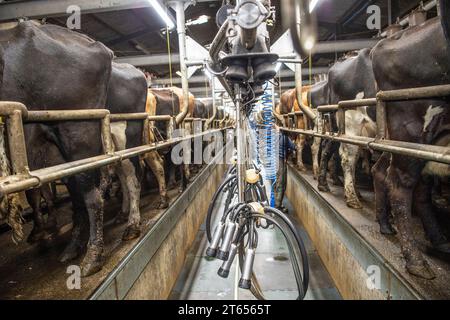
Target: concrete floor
[[199, 280]]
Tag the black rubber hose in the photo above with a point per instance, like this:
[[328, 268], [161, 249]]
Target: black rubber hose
[[212, 204], [302, 283], [302, 248]]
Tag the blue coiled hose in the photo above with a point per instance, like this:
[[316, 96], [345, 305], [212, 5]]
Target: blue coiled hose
[[267, 141]]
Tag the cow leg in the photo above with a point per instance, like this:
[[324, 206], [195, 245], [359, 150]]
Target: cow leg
[[328, 149], [300, 141], [402, 178], [93, 260], [38, 231], [124, 213], [315, 157], [379, 171], [423, 207], [80, 234], [156, 164], [349, 158], [133, 189], [333, 167], [51, 223]]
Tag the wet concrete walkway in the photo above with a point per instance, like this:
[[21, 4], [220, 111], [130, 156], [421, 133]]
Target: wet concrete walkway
[[199, 280]]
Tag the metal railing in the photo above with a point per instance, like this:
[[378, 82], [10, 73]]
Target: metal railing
[[380, 143], [15, 114]]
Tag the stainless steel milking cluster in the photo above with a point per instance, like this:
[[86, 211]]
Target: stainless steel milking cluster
[[244, 67], [237, 231]]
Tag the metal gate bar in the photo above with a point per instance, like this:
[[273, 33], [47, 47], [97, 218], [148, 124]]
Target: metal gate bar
[[16, 114], [415, 150]]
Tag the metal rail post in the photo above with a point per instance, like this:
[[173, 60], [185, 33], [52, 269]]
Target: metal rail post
[[181, 30]]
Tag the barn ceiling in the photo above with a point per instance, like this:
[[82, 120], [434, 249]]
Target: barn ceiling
[[140, 31]]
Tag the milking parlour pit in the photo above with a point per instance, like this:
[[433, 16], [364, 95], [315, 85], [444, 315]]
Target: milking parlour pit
[[218, 159]]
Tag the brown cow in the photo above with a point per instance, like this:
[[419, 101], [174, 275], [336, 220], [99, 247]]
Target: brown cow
[[288, 104], [164, 101]]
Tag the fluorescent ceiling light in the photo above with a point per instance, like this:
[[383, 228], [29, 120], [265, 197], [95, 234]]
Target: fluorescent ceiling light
[[313, 4], [200, 20], [162, 13]]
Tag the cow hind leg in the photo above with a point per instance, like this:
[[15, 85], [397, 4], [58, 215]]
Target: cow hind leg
[[51, 223], [328, 149], [349, 157], [379, 171], [401, 183], [124, 213], [154, 161], [93, 259], [38, 231], [133, 189], [315, 157], [424, 208], [300, 142], [80, 228], [333, 167]]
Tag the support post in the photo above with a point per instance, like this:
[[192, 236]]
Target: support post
[[16, 138], [381, 119], [181, 29], [240, 146]]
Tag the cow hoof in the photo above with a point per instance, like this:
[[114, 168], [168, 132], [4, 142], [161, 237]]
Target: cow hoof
[[354, 204], [121, 218], [71, 252], [92, 263], [387, 229], [131, 232], [421, 270], [324, 188], [163, 203], [301, 168], [337, 182]]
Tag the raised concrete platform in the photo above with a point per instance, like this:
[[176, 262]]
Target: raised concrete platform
[[351, 247]]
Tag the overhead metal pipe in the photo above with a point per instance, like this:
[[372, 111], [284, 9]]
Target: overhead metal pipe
[[405, 21], [213, 116], [181, 29]]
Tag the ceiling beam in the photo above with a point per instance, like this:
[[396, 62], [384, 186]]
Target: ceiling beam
[[321, 47], [48, 8], [129, 37]]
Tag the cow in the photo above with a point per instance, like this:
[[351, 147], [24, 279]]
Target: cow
[[397, 64], [47, 67], [127, 93], [318, 95], [164, 101], [349, 79], [288, 104]]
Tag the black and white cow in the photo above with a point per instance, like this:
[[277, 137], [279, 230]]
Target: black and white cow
[[47, 67], [416, 57], [349, 79], [127, 93]]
